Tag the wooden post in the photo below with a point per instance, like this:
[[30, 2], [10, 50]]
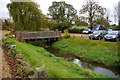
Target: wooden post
[[36, 39], [56, 31], [20, 36]]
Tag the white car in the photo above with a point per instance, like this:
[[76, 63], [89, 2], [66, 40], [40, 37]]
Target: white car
[[86, 31]]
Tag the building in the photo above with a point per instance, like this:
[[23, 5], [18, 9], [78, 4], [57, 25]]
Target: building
[[119, 13]]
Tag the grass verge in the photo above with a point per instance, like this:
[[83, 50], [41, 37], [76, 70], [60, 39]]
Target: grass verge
[[57, 67], [98, 51]]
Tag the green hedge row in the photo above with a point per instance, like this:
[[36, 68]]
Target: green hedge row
[[77, 29]]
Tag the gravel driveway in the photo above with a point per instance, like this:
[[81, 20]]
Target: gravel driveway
[[85, 36]]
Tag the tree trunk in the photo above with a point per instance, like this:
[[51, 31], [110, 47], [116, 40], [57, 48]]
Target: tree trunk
[[119, 23], [91, 23]]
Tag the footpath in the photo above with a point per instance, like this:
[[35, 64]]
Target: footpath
[[4, 68]]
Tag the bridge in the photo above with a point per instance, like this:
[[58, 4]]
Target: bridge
[[38, 35]]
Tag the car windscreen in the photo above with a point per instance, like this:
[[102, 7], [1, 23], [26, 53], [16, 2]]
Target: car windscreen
[[113, 33], [86, 30], [95, 27]]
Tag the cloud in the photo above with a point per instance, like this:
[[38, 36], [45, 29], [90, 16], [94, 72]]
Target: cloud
[[4, 11]]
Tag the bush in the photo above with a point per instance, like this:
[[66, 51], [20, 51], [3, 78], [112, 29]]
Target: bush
[[114, 27], [76, 29], [66, 34], [9, 35]]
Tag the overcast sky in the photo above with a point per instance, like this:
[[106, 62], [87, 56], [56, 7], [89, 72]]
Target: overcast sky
[[77, 4]]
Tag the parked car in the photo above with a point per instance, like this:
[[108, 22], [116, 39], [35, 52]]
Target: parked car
[[98, 34], [86, 31], [109, 30], [112, 36], [98, 27]]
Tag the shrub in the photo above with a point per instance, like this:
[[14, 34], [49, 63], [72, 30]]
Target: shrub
[[66, 34], [9, 35], [114, 27], [76, 29]]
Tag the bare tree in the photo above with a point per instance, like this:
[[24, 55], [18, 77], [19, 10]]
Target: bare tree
[[93, 10], [115, 13], [119, 13]]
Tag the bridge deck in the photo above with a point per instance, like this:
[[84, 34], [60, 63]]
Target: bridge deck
[[38, 35]]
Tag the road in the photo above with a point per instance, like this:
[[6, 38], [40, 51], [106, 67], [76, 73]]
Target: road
[[4, 68], [85, 36]]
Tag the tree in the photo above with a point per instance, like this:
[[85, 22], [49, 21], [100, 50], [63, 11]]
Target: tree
[[115, 14], [79, 22], [102, 21], [7, 23], [119, 13], [62, 13], [26, 15], [93, 10], [83, 23]]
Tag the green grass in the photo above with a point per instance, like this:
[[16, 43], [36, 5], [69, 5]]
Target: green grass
[[99, 51], [57, 67]]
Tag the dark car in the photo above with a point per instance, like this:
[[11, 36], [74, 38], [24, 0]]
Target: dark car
[[86, 31], [98, 27], [112, 36], [98, 35]]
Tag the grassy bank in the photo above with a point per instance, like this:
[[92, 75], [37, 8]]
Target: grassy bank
[[99, 51], [57, 67]]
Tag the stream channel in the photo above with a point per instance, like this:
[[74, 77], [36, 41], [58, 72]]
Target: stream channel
[[96, 67]]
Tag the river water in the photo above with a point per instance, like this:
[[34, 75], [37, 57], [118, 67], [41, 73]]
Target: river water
[[97, 68]]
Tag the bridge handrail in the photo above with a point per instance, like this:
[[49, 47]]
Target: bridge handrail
[[38, 34]]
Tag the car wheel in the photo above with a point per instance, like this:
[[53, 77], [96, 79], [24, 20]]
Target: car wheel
[[103, 39], [90, 38], [99, 38], [117, 39]]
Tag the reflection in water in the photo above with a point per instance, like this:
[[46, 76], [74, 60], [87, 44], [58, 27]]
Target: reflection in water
[[78, 62], [105, 72], [97, 69]]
